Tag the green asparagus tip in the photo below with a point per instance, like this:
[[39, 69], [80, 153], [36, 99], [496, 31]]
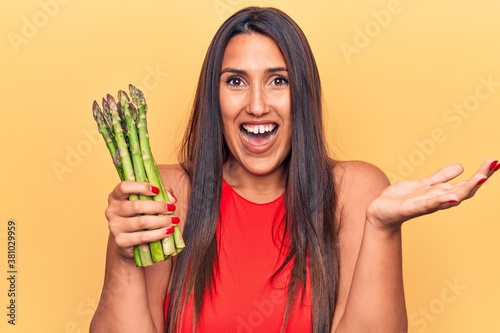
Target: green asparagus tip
[[123, 97], [111, 102], [96, 110], [107, 112], [105, 105], [136, 94], [119, 109]]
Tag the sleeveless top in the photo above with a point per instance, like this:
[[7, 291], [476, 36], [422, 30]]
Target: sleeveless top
[[244, 299]]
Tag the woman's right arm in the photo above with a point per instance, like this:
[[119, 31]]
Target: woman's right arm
[[132, 298]]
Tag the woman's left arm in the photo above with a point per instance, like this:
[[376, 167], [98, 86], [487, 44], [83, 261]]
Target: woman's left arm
[[371, 294]]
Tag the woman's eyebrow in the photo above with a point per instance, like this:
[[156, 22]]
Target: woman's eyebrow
[[241, 72], [233, 70], [276, 69]]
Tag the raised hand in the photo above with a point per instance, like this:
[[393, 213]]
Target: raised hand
[[127, 220], [408, 199]]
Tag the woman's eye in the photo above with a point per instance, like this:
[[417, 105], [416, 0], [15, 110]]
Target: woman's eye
[[280, 81], [234, 81]]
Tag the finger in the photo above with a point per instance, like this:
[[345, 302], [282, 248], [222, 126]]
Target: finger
[[144, 222], [432, 204], [482, 174], [172, 198], [125, 188], [496, 167], [461, 183], [489, 167], [467, 189], [127, 209], [146, 207], [444, 175], [128, 240]]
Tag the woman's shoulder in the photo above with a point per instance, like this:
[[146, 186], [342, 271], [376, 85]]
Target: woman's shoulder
[[175, 177], [358, 181], [358, 170], [174, 174], [172, 170]]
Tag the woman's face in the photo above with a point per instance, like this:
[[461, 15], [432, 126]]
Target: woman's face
[[255, 103]]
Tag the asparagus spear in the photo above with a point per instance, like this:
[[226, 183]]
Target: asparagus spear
[[152, 169], [132, 157], [128, 125], [138, 164], [137, 256], [111, 108], [108, 136], [103, 120]]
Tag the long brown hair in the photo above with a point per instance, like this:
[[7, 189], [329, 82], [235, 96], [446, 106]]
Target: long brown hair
[[309, 190]]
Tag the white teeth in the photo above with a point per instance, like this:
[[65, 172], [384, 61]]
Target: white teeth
[[256, 129]]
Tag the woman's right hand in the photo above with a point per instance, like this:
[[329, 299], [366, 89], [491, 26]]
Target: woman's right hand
[[140, 221]]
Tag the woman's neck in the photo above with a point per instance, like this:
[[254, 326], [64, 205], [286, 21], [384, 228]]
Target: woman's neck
[[255, 188]]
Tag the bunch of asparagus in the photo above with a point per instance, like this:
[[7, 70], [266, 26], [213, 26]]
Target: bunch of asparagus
[[123, 126]]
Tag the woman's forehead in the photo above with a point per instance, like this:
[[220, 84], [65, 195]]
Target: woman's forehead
[[254, 51]]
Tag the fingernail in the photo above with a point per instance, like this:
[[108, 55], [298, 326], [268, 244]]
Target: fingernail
[[453, 201], [169, 230], [497, 167], [173, 196], [170, 207], [175, 220], [155, 189], [493, 165], [481, 181]]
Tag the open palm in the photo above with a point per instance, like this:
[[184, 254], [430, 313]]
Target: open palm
[[411, 198]]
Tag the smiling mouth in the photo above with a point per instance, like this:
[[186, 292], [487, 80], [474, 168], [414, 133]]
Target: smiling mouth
[[258, 135]]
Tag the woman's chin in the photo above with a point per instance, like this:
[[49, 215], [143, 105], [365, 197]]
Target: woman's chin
[[262, 167]]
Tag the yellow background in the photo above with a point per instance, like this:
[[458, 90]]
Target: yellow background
[[389, 90]]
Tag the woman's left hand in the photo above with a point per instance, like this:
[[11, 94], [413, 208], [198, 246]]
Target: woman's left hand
[[408, 199]]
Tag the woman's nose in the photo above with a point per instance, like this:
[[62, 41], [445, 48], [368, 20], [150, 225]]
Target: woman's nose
[[257, 104]]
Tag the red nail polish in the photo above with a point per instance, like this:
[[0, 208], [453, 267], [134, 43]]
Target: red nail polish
[[170, 207], [453, 201], [493, 165], [173, 196], [481, 181], [175, 220], [497, 167], [155, 189], [169, 231]]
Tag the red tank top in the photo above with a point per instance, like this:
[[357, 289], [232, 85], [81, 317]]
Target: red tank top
[[246, 300]]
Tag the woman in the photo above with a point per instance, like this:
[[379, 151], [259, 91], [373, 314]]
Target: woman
[[279, 237]]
